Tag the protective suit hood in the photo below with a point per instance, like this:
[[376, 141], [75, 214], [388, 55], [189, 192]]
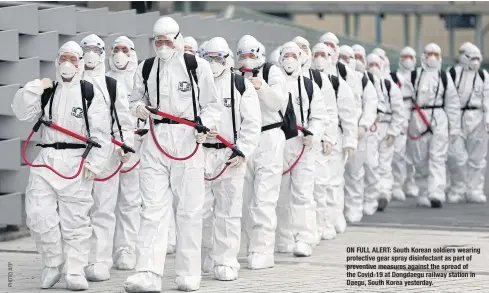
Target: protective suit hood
[[75, 49], [320, 63], [133, 58], [306, 57], [333, 39], [462, 58], [262, 54], [348, 52], [275, 56], [474, 58], [407, 65], [431, 63], [374, 58], [202, 48], [359, 65], [191, 43], [248, 44], [218, 46]]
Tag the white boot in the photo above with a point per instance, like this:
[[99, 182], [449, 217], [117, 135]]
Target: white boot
[[147, 282], [476, 198], [398, 194], [370, 207], [225, 273], [258, 261], [188, 283], [423, 201], [97, 272], [76, 283], [302, 249], [354, 217], [284, 248], [207, 262], [453, 197], [49, 277], [340, 225], [329, 233], [125, 261]]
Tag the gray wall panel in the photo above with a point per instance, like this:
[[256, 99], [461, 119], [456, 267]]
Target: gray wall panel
[[44, 45], [10, 45], [19, 72], [58, 19], [9, 154], [23, 18], [123, 22], [7, 93], [95, 20], [14, 214], [146, 21], [48, 69]]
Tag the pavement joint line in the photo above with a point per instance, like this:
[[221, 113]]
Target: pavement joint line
[[421, 227]]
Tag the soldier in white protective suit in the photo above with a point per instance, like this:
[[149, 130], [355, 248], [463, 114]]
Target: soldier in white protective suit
[[297, 228], [462, 58], [386, 69], [433, 127], [265, 166], [190, 45], [169, 89], [402, 167], [332, 182], [57, 209], [354, 169], [123, 63], [329, 138], [240, 124], [380, 140], [105, 193], [467, 153], [202, 49]]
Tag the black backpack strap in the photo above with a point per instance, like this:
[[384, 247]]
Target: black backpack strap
[[414, 74], [444, 80], [87, 97], [234, 82], [453, 73], [371, 77], [148, 64], [191, 64], [300, 99], [364, 81], [342, 70], [48, 97], [266, 71], [310, 92], [388, 88], [112, 89], [239, 82], [394, 77], [482, 75], [316, 76], [335, 83]]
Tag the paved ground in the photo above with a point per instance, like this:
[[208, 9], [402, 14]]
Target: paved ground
[[462, 226]]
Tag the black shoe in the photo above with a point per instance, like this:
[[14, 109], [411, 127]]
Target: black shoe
[[382, 204], [435, 204]]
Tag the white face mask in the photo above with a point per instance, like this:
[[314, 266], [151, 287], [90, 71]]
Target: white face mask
[[321, 63], [67, 70], [290, 64], [375, 71], [165, 53], [408, 64], [432, 62], [120, 60], [217, 68], [91, 59], [463, 59], [474, 65], [248, 63], [352, 64], [359, 66]]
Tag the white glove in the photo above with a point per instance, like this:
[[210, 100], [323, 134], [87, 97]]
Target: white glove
[[46, 83], [142, 112], [390, 140], [327, 147], [213, 133], [236, 161], [361, 132], [348, 152], [124, 157], [201, 137], [88, 174], [307, 140]]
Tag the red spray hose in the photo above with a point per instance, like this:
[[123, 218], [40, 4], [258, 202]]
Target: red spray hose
[[306, 132], [126, 149], [425, 121], [140, 132], [200, 128], [90, 144]]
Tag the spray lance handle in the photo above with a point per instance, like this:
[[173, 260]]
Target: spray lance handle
[[141, 132], [199, 126], [90, 144], [123, 146], [236, 152], [304, 130]]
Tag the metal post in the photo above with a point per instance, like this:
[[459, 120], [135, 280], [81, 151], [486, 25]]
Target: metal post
[[451, 42], [378, 29], [419, 34], [187, 7], [406, 30], [478, 31], [356, 25], [346, 17]]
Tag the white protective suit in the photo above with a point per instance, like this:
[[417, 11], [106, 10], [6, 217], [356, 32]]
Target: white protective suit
[[275, 56], [349, 112], [467, 153], [429, 150], [297, 228], [402, 167], [57, 209], [354, 168], [159, 173], [265, 166], [323, 150], [105, 193], [224, 196], [380, 140], [202, 49], [386, 69], [129, 200], [190, 45]]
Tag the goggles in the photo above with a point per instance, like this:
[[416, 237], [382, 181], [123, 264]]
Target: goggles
[[218, 57], [95, 49]]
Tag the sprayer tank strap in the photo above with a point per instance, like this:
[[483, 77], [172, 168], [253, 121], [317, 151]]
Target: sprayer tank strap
[[300, 99], [233, 111]]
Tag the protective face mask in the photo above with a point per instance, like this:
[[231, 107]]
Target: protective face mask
[[165, 53], [432, 62], [91, 59], [463, 59], [217, 68], [375, 71], [474, 65], [121, 60], [321, 63], [408, 64], [248, 63], [67, 70], [359, 66], [290, 64], [352, 64]]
